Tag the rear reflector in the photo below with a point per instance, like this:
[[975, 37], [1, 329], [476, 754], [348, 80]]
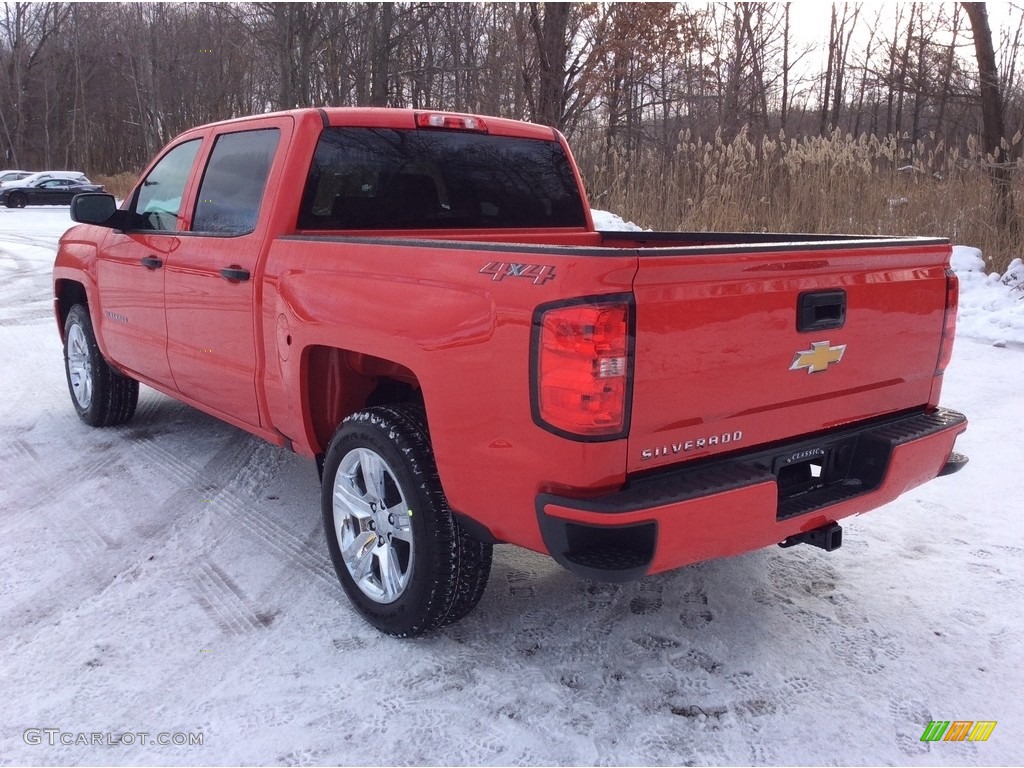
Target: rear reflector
[[948, 321], [450, 122], [581, 367]]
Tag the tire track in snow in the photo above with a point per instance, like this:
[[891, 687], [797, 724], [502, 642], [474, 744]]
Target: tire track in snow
[[214, 486], [90, 544], [27, 293], [288, 547], [151, 402], [83, 537], [19, 455], [225, 602], [170, 463], [29, 316], [52, 492], [48, 242], [247, 514]]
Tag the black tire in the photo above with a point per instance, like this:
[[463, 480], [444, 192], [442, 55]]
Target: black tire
[[444, 570], [101, 395], [16, 200]]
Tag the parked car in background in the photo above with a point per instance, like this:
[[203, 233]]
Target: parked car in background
[[12, 175], [46, 190], [34, 176]]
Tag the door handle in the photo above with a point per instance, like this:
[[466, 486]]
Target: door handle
[[151, 262], [235, 274]]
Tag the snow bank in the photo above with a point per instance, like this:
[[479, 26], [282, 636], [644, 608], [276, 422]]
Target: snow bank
[[610, 222], [991, 306]]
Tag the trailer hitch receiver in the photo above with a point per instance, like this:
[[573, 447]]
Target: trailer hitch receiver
[[828, 537]]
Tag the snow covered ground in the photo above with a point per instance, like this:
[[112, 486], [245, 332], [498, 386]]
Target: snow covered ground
[[169, 577]]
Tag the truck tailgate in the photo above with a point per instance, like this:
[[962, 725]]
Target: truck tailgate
[[740, 347]]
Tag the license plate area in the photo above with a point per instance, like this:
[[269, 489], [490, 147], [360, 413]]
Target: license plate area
[[813, 475], [801, 472]]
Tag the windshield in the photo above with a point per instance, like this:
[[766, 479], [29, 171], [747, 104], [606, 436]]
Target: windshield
[[372, 178]]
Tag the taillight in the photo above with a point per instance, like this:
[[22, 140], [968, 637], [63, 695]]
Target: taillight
[[582, 367], [948, 321], [451, 122]]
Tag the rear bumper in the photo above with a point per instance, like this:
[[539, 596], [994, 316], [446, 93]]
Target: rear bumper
[[747, 501]]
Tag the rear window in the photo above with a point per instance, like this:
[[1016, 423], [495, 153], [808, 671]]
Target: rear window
[[374, 178]]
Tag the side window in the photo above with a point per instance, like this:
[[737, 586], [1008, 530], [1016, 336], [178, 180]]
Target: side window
[[158, 201], [233, 184]]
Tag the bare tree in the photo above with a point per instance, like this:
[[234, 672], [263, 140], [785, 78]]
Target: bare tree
[[992, 116], [26, 30]]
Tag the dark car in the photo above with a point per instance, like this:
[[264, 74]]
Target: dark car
[[46, 192]]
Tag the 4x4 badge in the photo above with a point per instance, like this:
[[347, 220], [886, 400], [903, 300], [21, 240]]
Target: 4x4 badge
[[538, 273], [819, 357]]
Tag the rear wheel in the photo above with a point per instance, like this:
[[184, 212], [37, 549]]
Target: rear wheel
[[16, 200], [400, 554], [101, 396]]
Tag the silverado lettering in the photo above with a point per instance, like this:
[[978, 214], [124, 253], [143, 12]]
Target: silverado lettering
[[692, 445], [314, 277]]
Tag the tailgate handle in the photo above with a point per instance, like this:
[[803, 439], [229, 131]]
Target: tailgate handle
[[821, 310]]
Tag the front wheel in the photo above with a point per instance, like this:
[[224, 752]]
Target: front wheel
[[101, 396], [16, 200], [403, 559]]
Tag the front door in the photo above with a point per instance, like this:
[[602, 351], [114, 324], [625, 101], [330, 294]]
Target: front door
[[131, 269]]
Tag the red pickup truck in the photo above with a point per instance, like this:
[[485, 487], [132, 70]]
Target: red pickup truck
[[420, 302]]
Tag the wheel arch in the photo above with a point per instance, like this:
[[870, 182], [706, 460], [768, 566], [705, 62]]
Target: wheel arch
[[338, 382], [68, 293]]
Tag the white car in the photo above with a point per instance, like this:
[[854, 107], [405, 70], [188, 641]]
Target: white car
[[12, 175], [31, 178]]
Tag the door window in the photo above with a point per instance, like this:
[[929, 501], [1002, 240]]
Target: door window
[[234, 181], [158, 202]]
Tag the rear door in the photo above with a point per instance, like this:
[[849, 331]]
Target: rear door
[[211, 278], [737, 348]]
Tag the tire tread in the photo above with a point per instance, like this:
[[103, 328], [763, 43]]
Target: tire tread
[[461, 564], [115, 396]]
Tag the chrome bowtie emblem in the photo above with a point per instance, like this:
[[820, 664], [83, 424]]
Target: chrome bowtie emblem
[[818, 358]]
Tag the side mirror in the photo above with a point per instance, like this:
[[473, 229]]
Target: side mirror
[[97, 208]]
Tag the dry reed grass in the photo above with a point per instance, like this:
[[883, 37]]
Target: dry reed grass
[[118, 185], [815, 184], [832, 184]]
